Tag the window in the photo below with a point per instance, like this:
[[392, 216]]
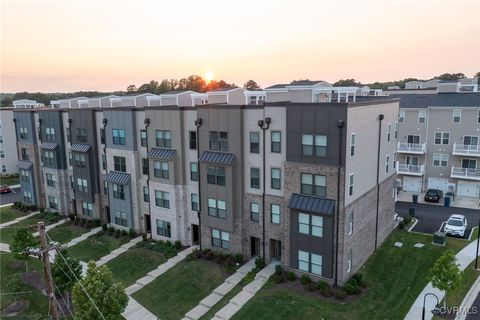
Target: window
[[401, 116], [254, 142], [316, 265], [275, 213], [303, 223], [194, 197], [51, 180], [48, 157], [314, 185], [192, 136], [276, 179], [163, 138], [120, 218], [440, 160], [478, 117], [396, 130], [162, 199], [86, 208], [422, 116], [163, 228], [193, 171], [309, 262], [350, 185], [52, 203], [457, 115], [50, 134], [70, 158], [1, 139], [25, 175], [143, 138], [25, 155], [220, 239], [389, 132], [317, 226], [69, 138], [254, 211], [307, 144], [349, 260], [81, 134], [276, 142], [23, 132], [254, 178], [80, 160], [387, 161], [27, 196], [442, 137], [4, 168], [353, 138], [118, 191], [145, 166], [118, 136], [303, 261], [216, 175], [218, 140], [82, 185], [160, 169], [217, 208], [320, 146], [146, 194], [2, 153], [104, 162], [105, 187], [102, 136], [119, 164], [350, 222], [310, 224]]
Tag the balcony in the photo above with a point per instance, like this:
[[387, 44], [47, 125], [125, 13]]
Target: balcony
[[465, 173], [410, 169], [413, 148], [466, 150]]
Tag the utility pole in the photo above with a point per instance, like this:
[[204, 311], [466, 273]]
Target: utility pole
[[47, 270]]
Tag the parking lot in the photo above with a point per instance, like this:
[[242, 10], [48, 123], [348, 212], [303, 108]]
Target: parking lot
[[11, 197], [431, 217]]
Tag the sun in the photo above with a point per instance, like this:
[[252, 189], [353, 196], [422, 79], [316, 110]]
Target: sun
[[209, 76]]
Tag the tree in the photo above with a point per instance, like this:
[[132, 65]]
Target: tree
[[450, 76], [477, 75], [251, 85], [347, 83], [131, 88], [107, 295], [65, 272], [22, 239], [445, 274]]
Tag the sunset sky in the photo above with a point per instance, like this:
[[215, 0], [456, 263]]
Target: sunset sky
[[63, 46]]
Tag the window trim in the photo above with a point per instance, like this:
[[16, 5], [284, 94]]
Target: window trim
[[424, 112], [353, 144], [275, 143], [459, 111], [277, 215], [279, 178], [351, 183]]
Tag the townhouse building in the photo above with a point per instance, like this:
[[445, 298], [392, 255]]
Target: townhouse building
[[302, 173], [8, 149]]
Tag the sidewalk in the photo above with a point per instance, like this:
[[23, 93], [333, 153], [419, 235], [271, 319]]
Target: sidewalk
[[82, 237], [469, 300], [464, 258], [51, 226], [17, 220]]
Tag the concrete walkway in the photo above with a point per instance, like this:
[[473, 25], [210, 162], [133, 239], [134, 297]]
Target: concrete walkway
[[247, 293], [468, 300], [464, 258], [135, 310], [17, 220], [115, 253], [4, 247], [82, 237], [51, 226], [206, 304]]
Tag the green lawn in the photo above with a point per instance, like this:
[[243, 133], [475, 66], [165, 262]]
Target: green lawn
[[96, 246], [11, 269], [222, 303], [6, 234], [66, 232], [134, 264], [181, 288], [395, 277], [9, 181], [9, 214]]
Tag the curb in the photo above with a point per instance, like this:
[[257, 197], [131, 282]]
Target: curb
[[468, 300]]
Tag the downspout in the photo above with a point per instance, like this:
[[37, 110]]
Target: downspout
[[105, 121], [147, 123], [70, 121], [339, 170], [198, 124], [261, 124], [380, 117]]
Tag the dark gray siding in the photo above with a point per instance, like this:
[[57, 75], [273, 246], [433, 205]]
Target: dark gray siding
[[121, 205], [53, 119], [121, 119], [25, 119]]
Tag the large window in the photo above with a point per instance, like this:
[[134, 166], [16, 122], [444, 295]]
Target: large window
[[119, 164], [353, 141], [275, 213], [478, 117], [401, 116], [162, 199], [82, 185], [118, 136], [104, 162], [440, 160], [25, 175], [276, 143], [24, 154], [314, 184], [118, 191], [80, 160], [194, 171], [457, 115], [121, 218], [422, 116], [218, 140], [23, 132], [48, 157], [217, 208], [310, 224], [309, 262], [314, 145], [146, 194], [276, 178], [53, 203], [81, 134], [192, 137], [163, 138], [163, 228], [254, 142], [27, 196], [216, 175], [102, 136], [220, 239], [442, 138], [254, 178], [160, 169], [145, 166], [86, 208], [254, 211], [143, 138], [194, 201], [50, 134], [51, 180]]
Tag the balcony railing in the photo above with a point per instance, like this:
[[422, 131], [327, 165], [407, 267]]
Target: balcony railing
[[417, 148], [466, 150], [410, 169], [465, 173]]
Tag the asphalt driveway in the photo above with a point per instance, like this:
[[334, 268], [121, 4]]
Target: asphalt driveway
[[11, 197], [431, 217]]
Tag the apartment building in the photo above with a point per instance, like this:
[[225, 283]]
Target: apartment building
[[8, 149], [302, 173]]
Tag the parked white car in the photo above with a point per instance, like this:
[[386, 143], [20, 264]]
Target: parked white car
[[456, 225]]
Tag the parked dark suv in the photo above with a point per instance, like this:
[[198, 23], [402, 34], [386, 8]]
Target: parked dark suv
[[433, 195]]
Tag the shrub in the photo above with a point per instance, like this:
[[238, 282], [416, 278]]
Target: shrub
[[340, 295], [208, 254], [76, 221], [401, 225], [168, 243], [104, 227], [144, 237], [229, 261], [42, 210], [278, 270], [238, 257], [178, 245], [407, 220], [117, 233], [291, 276], [358, 279], [97, 222], [326, 292], [83, 221], [71, 216], [259, 263], [111, 230], [305, 279], [124, 233], [131, 233], [321, 285], [89, 224], [351, 288]]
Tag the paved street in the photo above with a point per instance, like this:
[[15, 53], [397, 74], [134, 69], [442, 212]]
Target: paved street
[[431, 217], [475, 312], [13, 196]]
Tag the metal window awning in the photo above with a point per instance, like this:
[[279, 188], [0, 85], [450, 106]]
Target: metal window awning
[[25, 165], [79, 147], [118, 177], [221, 158], [48, 145], [162, 153], [311, 204]]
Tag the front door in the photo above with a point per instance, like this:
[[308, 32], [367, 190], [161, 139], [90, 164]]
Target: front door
[[195, 234], [254, 246], [469, 164], [148, 223], [411, 139], [412, 160], [276, 249], [107, 210]]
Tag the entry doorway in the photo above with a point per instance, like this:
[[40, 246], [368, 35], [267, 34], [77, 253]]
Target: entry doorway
[[276, 249], [195, 234], [254, 247], [107, 210], [148, 223]]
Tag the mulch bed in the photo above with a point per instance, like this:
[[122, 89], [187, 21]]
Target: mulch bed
[[15, 308]]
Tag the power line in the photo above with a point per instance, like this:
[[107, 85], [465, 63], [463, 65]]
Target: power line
[[57, 288]]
